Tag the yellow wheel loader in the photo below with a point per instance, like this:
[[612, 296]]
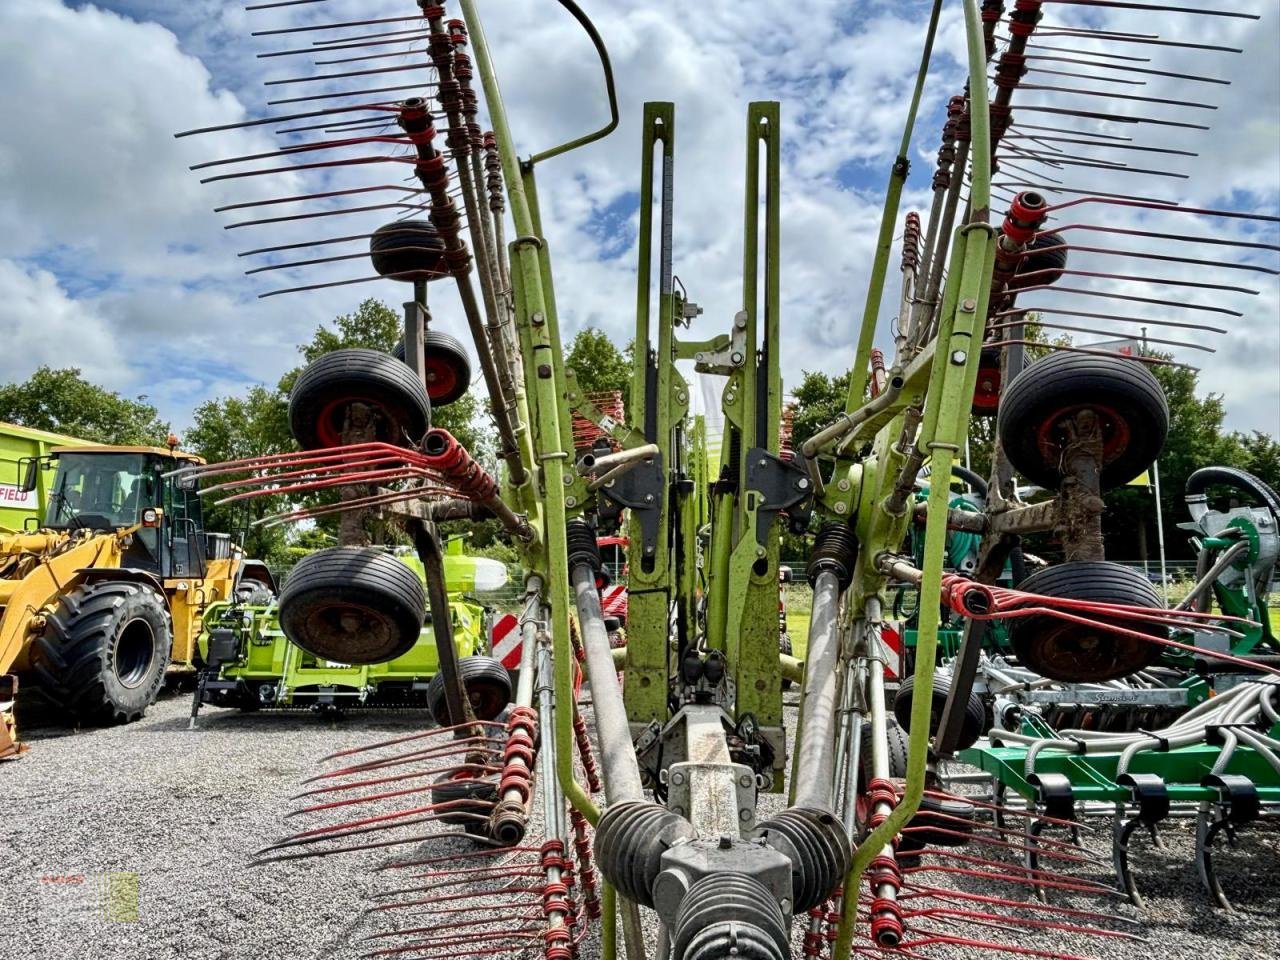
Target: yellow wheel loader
[[104, 594]]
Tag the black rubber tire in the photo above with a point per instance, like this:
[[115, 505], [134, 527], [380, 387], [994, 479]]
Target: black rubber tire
[[1237, 479], [408, 250], [935, 815], [1040, 266], [319, 400], [352, 605], [1075, 653], [784, 646], [102, 655], [1122, 392], [483, 793], [975, 711], [488, 686], [448, 368], [897, 741]]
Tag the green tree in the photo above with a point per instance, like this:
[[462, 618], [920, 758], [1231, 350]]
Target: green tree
[[63, 401], [818, 401], [598, 364]]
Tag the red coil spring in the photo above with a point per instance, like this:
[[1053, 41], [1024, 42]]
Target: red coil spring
[[555, 899], [586, 866], [521, 723], [451, 458], [814, 942], [911, 242], [586, 753], [880, 791]]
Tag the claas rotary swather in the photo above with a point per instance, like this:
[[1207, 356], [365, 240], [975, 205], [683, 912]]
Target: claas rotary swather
[[694, 804]]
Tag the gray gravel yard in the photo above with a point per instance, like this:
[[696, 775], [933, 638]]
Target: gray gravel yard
[[183, 810]]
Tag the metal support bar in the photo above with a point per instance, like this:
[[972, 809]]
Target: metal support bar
[[617, 755], [815, 757]]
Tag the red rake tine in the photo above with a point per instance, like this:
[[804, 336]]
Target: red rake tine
[[997, 920], [1035, 906], [1183, 237], [998, 808], [1149, 361], [349, 256], [332, 851], [952, 940], [399, 140], [404, 36], [351, 93], [1154, 7], [409, 738], [471, 875], [1018, 311], [386, 106], [1164, 258], [450, 857], [414, 931], [1005, 872], [415, 756], [324, 195], [315, 165], [1095, 331], [483, 769], [533, 935], [502, 891], [399, 68], [374, 782], [1132, 298], [312, 28]]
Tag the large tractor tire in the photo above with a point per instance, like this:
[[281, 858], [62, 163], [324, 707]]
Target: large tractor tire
[[327, 388], [488, 686], [352, 605], [447, 367], [1078, 653], [1122, 393], [102, 656]]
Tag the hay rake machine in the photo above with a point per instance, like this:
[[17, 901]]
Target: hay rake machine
[[514, 835]]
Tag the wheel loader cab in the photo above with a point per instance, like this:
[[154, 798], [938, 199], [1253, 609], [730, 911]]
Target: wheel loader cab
[[117, 488]]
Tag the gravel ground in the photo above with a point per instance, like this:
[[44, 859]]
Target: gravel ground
[[181, 811]]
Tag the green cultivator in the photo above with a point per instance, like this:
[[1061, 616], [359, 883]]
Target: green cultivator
[[698, 825]]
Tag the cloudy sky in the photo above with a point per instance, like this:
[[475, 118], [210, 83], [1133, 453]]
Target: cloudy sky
[[112, 259]]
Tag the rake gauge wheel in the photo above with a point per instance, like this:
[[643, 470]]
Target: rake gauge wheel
[[447, 367], [352, 605], [1041, 264], [488, 687], [975, 711], [1037, 407], [408, 250], [986, 394], [477, 799], [351, 382], [1079, 653]]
